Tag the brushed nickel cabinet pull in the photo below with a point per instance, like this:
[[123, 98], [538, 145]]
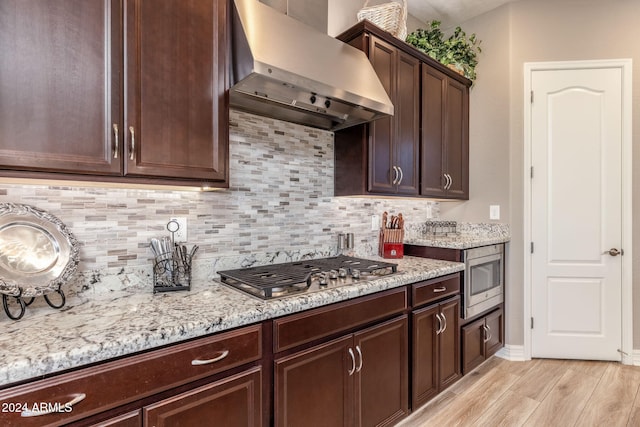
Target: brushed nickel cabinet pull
[[198, 362], [439, 330], [353, 362], [444, 320], [395, 175], [132, 153], [116, 133], [54, 410], [439, 289], [487, 333], [401, 175], [359, 368]]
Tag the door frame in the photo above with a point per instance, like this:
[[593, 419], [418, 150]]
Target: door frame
[[625, 65]]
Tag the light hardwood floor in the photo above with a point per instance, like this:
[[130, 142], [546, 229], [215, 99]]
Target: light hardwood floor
[[537, 393]]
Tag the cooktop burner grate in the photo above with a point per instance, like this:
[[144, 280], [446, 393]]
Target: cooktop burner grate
[[271, 281]]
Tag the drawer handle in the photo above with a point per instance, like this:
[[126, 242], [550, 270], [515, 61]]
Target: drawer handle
[[55, 408], [198, 362], [440, 289], [359, 368]]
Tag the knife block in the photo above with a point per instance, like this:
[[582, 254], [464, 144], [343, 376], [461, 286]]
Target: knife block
[[390, 244]]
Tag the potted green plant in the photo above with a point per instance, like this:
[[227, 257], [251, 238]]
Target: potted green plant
[[458, 51]]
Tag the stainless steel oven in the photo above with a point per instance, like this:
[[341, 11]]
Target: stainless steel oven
[[483, 279]]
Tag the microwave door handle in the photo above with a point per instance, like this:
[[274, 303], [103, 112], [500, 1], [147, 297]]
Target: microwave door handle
[[484, 260]]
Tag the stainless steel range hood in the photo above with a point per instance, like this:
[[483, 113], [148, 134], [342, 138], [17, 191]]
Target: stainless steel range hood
[[284, 69]]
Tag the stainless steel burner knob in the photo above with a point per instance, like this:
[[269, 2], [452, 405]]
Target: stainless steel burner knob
[[323, 280], [355, 273], [342, 272], [333, 275]]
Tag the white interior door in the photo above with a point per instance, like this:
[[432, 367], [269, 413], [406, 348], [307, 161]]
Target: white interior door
[[576, 213]]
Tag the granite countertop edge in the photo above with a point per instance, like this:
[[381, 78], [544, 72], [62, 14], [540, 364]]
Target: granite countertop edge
[[48, 341], [457, 242]]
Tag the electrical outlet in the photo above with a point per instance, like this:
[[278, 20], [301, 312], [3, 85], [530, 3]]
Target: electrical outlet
[[494, 212], [375, 222], [178, 227]]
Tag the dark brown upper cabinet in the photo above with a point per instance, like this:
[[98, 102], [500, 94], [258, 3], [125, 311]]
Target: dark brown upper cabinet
[[105, 90], [423, 149], [386, 149], [445, 136]]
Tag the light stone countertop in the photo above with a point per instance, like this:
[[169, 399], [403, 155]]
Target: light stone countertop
[[96, 326], [470, 235]]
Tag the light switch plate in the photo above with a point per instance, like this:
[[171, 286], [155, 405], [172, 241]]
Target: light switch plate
[[375, 222], [494, 212]]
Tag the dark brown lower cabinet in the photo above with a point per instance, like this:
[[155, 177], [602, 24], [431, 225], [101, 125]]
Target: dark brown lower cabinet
[[436, 349], [231, 402], [130, 419], [360, 379], [481, 339]]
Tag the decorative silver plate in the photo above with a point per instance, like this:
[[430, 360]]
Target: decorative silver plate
[[38, 254]]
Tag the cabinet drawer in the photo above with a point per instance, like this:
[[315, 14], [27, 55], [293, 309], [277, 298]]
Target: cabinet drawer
[[112, 384], [435, 289], [315, 324]]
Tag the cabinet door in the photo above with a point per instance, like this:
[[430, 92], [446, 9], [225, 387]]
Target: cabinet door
[[176, 76], [130, 419], [383, 57], [433, 132], [449, 351], [313, 387], [407, 123], [60, 85], [234, 401], [495, 341], [382, 373], [457, 139], [425, 355], [473, 348]]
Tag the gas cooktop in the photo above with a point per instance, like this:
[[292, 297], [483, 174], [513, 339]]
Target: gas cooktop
[[278, 280]]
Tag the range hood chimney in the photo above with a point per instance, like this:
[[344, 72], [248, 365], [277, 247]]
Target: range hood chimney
[[284, 69]]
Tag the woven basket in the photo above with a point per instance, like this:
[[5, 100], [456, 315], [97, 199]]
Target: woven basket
[[391, 17]]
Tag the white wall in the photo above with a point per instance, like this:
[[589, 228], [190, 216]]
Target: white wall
[[531, 31]]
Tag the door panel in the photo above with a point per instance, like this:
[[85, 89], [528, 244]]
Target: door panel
[[449, 344], [60, 85], [407, 117], [457, 156], [576, 213], [425, 355], [381, 132], [175, 101], [232, 402], [432, 169], [313, 388], [382, 376]]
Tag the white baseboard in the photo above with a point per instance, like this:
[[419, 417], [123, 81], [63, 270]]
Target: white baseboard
[[513, 353]]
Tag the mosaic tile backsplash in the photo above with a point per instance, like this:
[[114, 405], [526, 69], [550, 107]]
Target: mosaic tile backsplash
[[279, 207]]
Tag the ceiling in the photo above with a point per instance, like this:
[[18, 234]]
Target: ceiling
[[451, 12]]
